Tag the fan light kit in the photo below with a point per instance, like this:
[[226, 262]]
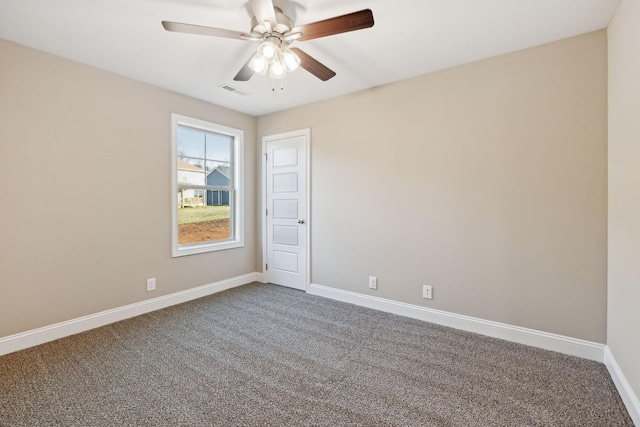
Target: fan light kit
[[274, 56], [275, 32]]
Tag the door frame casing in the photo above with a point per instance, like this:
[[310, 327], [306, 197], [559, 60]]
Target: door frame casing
[[306, 133]]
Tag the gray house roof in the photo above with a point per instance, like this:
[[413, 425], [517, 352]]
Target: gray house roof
[[224, 170]]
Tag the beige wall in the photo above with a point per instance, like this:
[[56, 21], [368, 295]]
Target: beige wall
[[487, 181], [85, 185], [623, 337]]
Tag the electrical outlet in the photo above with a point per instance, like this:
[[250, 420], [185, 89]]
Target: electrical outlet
[[427, 291], [151, 284], [373, 282]]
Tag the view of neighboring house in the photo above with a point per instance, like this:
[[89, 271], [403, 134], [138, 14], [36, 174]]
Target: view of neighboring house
[[189, 174], [218, 177]]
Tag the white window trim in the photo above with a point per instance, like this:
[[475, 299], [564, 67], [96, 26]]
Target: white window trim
[[238, 195]]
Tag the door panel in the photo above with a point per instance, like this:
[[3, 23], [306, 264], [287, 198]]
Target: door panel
[[285, 156], [285, 209], [285, 261], [285, 182], [285, 235]]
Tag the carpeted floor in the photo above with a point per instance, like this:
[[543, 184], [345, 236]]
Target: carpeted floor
[[267, 355]]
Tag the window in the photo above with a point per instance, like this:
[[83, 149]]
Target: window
[[207, 186]]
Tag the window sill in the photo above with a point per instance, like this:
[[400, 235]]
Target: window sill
[[206, 247]]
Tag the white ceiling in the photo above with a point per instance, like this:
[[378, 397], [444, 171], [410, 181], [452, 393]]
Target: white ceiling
[[409, 38]]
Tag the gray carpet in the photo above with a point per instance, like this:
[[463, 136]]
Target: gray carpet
[[267, 355]]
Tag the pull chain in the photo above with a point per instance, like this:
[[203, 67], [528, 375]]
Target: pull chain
[[273, 85]]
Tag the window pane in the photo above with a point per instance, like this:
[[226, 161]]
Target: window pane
[[190, 171], [191, 143], [203, 216], [219, 147], [218, 174]]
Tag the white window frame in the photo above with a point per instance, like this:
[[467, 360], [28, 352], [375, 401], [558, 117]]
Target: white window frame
[[237, 204]]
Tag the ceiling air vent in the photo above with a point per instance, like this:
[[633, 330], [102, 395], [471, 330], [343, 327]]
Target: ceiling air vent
[[233, 89]]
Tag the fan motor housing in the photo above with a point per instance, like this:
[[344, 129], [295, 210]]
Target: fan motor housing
[[284, 24]]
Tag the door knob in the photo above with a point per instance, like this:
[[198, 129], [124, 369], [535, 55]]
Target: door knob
[[301, 221]]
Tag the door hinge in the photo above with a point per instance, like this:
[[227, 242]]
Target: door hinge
[[266, 267], [267, 212], [266, 156]]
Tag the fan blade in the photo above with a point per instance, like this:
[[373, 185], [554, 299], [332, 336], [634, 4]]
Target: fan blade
[[202, 31], [339, 24], [245, 72], [264, 12], [313, 66]]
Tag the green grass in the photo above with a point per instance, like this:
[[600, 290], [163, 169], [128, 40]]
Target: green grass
[[203, 214]]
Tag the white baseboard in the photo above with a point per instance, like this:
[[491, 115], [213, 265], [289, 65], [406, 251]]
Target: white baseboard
[[562, 344], [45, 334], [624, 388]]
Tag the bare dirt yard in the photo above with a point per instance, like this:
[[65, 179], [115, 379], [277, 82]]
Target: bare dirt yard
[[203, 231]]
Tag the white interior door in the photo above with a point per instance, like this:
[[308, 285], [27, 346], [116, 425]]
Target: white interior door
[[286, 205]]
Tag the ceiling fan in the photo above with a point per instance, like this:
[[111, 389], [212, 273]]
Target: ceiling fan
[[275, 32]]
